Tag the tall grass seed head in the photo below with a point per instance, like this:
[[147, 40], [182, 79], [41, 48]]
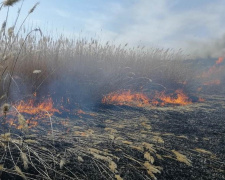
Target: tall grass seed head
[[10, 2], [10, 31], [33, 8], [22, 122], [36, 71], [5, 108], [3, 26]]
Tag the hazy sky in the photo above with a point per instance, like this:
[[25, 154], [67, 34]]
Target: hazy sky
[[161, 23]]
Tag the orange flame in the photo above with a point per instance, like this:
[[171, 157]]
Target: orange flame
[[32, 109], [214, 74], [180, 99], [80, 112], [35, 113], [126, 98], [214, 69], [141, 100], [40, 110], [220, 60]]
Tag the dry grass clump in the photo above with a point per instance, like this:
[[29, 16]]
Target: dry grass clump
[[157, 139], [149, 147], [22, 122], [182, 158], [203, 151], [5, 108], [148, 157], [19, 172], [151, 169], [24, 159], [118, 177]]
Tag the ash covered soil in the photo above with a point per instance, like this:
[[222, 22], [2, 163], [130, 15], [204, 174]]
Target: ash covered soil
[[173, 142], [120, 142]]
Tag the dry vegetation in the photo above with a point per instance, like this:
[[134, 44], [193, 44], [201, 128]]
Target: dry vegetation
[[94, 68], [104, 144]]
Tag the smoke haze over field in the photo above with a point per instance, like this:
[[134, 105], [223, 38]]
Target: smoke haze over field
[[208, 49], [158, 23]]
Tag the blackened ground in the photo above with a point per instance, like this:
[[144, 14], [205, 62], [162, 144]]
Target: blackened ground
[[185, 129], [197, 126], [114, 142]]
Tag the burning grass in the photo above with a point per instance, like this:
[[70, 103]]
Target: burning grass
[[127, 98], [31, 108], [141, 100], [50, 85]]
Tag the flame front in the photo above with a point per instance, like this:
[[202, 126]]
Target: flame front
[[180, 99], [31, 108], [126, 98], [220, 60], [33, 112], [38, 113], [213, 76], [141, 100], [215, 69]]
